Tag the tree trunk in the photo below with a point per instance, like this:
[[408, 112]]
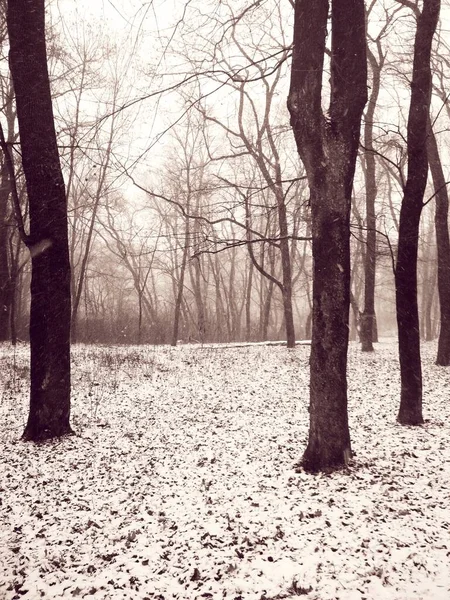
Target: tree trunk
[[429, 294], [443, 247], [6, 284], [49, 414], [248, 303], [410, 412], [328, 148], [355, 317], [367, 319], [180, 288], [286, 269], [265, 314], [5, 277]]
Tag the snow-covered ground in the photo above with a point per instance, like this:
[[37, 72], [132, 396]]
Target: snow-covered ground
[[181, 482]]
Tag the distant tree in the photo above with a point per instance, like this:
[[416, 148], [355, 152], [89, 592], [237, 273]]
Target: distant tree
[[443, 246], [5, 268], [5, 212], [376, 58], [47, 241], [255, 133], [410, 412], [328, 146]]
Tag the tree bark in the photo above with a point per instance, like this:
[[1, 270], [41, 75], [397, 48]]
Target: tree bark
[[443, 247], [328, 149], [49, 414], [410, 412]]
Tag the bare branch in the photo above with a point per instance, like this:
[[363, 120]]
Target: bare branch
[[13, 188]]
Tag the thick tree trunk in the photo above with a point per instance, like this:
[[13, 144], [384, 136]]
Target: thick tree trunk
[[408, 317], [50, 286], [443, 247], [328, 149], [329, 437], [410, 412]]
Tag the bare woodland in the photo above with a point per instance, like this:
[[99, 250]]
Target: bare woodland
[[226, 172]]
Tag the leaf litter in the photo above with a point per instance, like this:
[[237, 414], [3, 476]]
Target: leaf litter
[[181, 482]]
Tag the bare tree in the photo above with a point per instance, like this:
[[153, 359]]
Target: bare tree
[[49, 414], [443, 246], [376, 58], [328, 146], [410, 412]]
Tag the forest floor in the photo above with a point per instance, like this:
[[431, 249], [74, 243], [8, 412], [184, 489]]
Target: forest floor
[[180, 482]]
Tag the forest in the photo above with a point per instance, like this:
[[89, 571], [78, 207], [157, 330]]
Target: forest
[[224, 298], [184, 185]]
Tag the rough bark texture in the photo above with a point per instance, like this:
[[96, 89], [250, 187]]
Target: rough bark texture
[[443, 247], [48, 240], [328, 149], [410, 412]]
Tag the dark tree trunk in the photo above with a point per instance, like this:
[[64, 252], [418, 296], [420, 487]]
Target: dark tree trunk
[[443, 247], [328, 149], [410, 412], [49, 414]]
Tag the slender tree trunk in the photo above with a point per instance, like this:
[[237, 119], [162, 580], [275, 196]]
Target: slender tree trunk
[[443, 247], [286, 268], [248, 303], [410, 412], [49, 414], [83, 271], [367, 318], [14, 253], [355, 315], [328, 149], [5, 276], [5, 220], [180, 288], [428, 304], [265, 317]]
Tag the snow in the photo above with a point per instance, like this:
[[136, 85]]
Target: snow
[[180, 482]]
